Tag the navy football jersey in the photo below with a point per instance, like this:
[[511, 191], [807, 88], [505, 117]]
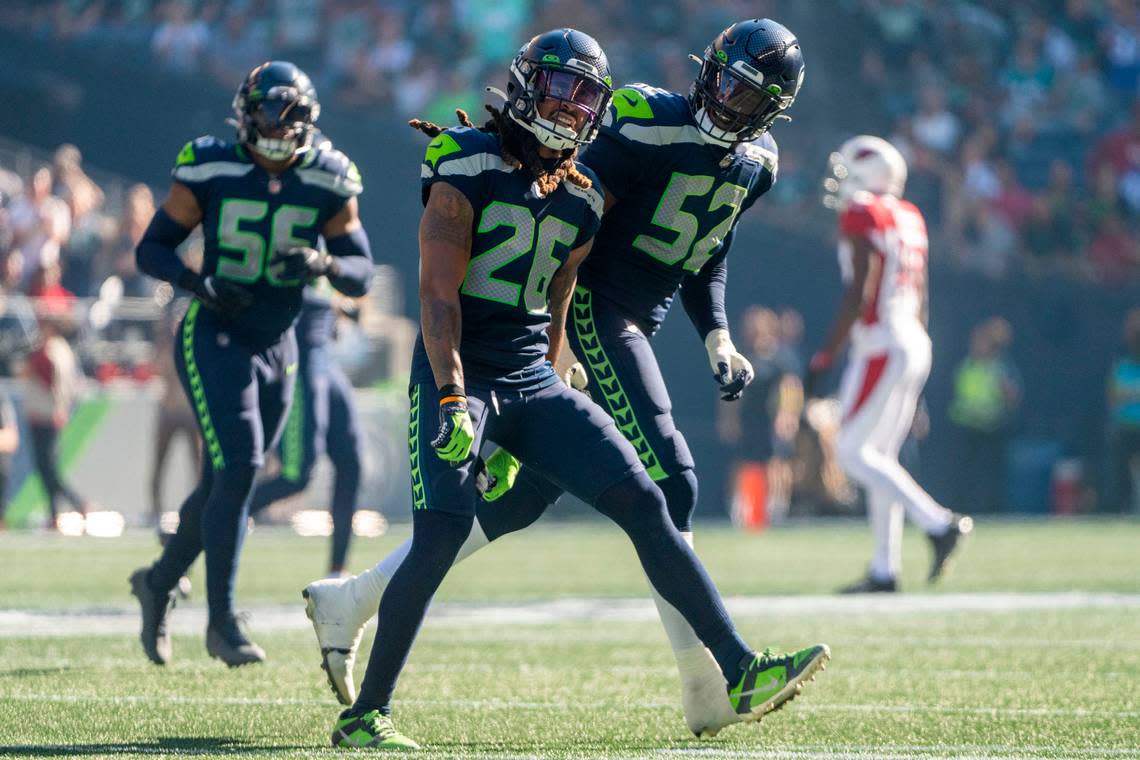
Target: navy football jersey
[[518, 242], [678, 198], [248, 215]]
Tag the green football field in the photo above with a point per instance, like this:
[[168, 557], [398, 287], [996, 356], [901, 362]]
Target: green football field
[[545, 645]]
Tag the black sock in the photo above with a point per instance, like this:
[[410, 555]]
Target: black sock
[[436, 538], [223, 531], [638, 507]]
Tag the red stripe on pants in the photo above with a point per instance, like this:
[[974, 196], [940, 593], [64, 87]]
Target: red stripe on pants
[[871, 377]]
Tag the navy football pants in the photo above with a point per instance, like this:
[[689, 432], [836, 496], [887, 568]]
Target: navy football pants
[[323, 421], [241, 397], [625, 380], [571, 442]]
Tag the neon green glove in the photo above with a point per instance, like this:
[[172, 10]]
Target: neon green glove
[[502, 469], [456, 433]]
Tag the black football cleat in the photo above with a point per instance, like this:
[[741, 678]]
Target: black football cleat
[[229, 644], [944, 545], [871, 585], [155, 608]]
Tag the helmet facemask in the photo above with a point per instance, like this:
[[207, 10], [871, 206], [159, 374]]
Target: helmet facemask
[[561, 104], [279, 128], [275, 111], [732, 104]]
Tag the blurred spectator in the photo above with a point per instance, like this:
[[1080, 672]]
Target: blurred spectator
[[1025, 82], [84, 200], [51, 384], [1122, 45], [241, 44], [986, 395], [761, 427], [1120, 150], [47, 291], [1114, 253], [181, 39], [1123, 490], [41, 224], [118, 257], [1052, 233], [174, 416], [934, 126], [9, 442]]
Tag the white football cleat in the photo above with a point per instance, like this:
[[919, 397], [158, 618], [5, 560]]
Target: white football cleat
[[339, 623], [704, 698]]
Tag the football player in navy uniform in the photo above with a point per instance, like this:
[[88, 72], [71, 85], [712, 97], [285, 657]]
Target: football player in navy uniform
[[263, 202], [677, 172], [509, 216], [322, 421]]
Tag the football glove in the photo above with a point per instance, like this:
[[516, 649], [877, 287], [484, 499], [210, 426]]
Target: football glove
[[730, 367], [221, 296], [501, 471], [576, 378], [302, 263], [456, 433], [819, 366]]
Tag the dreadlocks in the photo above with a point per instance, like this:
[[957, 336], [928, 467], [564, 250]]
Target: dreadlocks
[[518, 149]]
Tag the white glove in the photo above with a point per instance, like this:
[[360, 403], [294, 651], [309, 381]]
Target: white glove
[[730, 368], [575, 377]]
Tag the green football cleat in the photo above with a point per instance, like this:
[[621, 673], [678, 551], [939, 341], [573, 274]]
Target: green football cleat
[[771, 680], [372, 730]]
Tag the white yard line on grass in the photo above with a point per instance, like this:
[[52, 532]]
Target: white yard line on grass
[[79, 622], [508, 704]]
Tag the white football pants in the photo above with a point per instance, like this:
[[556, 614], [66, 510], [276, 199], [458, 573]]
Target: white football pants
[[878, 397]]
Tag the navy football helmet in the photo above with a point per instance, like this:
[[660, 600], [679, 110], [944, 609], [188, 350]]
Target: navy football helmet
[[275, 109], [569, 68], [750, 75]]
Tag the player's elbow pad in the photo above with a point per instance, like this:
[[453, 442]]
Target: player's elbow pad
[[156, 254], [353, 262]]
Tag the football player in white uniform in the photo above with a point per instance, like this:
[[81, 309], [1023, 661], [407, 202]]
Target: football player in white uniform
[[882, 255]]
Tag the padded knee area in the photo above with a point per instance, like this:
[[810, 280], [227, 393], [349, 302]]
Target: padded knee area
[[680, 492], [636, 504]]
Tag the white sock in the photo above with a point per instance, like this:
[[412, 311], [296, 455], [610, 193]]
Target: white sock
[[886, 530], [368, 587], [692, 657]]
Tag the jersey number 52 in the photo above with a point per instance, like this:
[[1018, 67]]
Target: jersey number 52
[[670, 216]]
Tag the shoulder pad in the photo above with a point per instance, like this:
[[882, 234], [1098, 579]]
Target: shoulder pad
[[593, 195], [645, 114], [763, 151], [204, 149], [644, 102], [208, 157], [462, 151], [331, 170]]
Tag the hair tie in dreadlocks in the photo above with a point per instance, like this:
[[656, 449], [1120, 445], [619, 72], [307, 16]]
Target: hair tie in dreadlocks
[[519, 150]]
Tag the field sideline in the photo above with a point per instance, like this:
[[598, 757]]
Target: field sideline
[[545, 646]]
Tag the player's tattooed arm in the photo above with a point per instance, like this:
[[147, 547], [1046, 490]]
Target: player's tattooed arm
[[445, 249], [865, 274], [558, 296]]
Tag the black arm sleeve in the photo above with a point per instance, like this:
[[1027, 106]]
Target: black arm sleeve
[[156, 253], [353, 272], [702, 293]]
